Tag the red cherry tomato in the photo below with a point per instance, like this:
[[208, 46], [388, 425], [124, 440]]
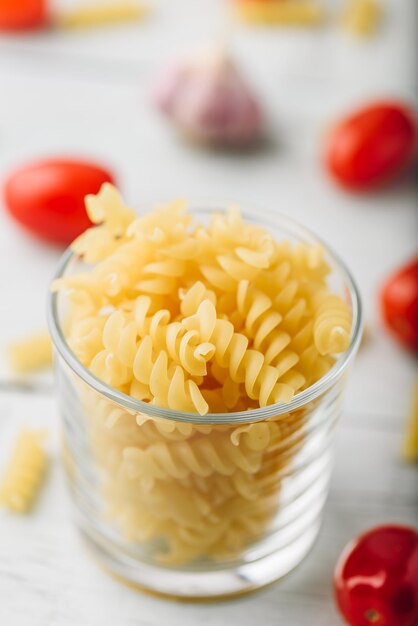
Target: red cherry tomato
[[47, 197], [22, 14], [399, 300], [371, 146], [376, 578]]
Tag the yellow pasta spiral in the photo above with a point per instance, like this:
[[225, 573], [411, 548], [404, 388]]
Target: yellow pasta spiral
[[332, 324], [244, 365], [261, 322], [203, 458], [167, 385], [193, 296], [24, 473]]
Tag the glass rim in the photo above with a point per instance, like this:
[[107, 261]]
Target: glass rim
[[263, 218]]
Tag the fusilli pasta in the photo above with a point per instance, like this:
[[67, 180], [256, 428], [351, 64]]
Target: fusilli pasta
[[281, 12], [203, 489], [361, 17], [30, 354], [197, 318], [23, 475]]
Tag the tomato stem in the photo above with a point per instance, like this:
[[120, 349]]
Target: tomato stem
[[372, 616]]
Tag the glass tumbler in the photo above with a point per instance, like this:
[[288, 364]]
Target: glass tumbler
[[199, 507]]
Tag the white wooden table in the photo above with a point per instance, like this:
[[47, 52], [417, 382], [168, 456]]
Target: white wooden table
[[87, 94]]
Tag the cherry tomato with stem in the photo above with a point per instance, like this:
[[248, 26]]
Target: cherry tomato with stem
[[376, 578], [371, 146], [47, 196]]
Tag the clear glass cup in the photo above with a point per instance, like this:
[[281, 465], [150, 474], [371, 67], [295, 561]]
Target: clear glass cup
[[199, 507]]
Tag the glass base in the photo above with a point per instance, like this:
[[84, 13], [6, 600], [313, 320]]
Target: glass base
[[197, 585]]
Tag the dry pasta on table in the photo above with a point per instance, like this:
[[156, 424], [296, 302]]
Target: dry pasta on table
[[31, 353], [23, 476]]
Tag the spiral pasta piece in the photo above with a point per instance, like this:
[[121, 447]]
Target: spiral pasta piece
[[244, 365], [181, 459], [262, 322], [30, 354], [168, 386], [22, 479], [332, 324], [192, 297]]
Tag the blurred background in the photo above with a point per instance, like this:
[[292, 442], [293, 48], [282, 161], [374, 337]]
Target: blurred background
[[86, 94]]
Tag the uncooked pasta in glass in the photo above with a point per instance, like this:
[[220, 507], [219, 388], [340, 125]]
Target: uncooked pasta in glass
[[200, 318]]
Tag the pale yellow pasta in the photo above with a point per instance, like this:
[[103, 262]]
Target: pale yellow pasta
[[193, 485], [243, 365], [100, 13], [332, 323], [410, 444], [23, 475], [281, 12], [361, 17], [197, 318], [30, 354]]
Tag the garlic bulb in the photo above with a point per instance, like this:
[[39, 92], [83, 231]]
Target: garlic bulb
[[209, 101]]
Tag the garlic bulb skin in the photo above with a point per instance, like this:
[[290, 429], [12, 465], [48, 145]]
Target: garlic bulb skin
[[208, 100]]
